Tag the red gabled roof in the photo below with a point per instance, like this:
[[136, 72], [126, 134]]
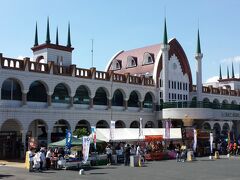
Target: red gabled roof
[[138, 53]]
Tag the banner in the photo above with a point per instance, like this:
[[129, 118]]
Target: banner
[[94, 136], [85, 148], [68, 139], [167, 129], [112, 129], [211, 142], [194, 140], [140, 128]]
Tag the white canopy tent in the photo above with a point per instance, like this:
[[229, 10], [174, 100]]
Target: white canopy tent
[[132, 134]]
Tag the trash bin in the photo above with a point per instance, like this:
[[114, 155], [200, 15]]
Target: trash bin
[[134, 161]]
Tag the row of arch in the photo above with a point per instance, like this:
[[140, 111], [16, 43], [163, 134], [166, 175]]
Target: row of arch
[[61, 125], [11, 90]]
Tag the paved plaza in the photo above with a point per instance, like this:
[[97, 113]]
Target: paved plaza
[[201, 169]]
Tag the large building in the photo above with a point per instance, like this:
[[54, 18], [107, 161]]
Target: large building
[[45, 95]]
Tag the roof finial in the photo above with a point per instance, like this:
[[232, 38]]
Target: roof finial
[[220, 73], [36, 36], [233, 76], [57, 43], [198, 44], [48, 33], [227, 73], [69, 36], [165, 39]]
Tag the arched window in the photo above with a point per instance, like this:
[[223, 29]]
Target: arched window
[[225, 104], [206, 126], [149, 124], [120, 124], [116, 64], [60, 94], [81, 96], [148, 58], [83, 124], [100, 97], [11, 90], [134, 124], [133, 100], [117, 99], [216, 104], [131, 61], [37, 92], [102, 124], [206, 103], [148, 102]]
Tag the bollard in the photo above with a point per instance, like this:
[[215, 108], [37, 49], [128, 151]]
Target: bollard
[[216, 156], [81, 172]]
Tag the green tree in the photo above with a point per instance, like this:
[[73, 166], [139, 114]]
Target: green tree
[[80, 132]]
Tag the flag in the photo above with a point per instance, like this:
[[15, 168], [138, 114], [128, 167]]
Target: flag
[[167, 129], [195, 140], [68, 139], [85, 148], [94, 136], [140, 128], [112, 129], [211, 142]]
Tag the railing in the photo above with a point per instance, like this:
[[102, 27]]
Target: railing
[[38, 67], [119, 78], [134, 80], [101, 75], [10, 63], [199, 104], [50, 67], [83, 73]]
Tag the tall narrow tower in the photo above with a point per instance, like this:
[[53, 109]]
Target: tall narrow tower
[[165, 50], [199, 57]]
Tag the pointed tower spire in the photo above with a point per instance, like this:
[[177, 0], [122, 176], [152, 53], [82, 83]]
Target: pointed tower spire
[[220, 73], [57, 43], [69, 36], [36, 36], [198, 44], [233, 76], [48, 33], [165, 38], [227, 73]]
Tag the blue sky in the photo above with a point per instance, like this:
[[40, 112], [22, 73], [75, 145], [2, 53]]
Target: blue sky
[[125, 24]]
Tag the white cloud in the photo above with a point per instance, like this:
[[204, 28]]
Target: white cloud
[[212, 79], [235, 59], [20, 57]]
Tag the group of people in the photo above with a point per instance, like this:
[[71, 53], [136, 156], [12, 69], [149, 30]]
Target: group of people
[[41, 158], [124, 151]]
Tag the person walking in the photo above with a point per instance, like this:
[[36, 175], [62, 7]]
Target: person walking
[[31, 155], [109, 154], [48, 159], [127, 155], [178, 154]]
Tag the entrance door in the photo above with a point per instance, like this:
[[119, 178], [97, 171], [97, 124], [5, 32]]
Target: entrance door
[[10, 145]]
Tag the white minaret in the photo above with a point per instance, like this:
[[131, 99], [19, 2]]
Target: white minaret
[[199, 57], [165, 49]]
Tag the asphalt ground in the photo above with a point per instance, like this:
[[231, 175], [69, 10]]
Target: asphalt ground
[[202, 169]]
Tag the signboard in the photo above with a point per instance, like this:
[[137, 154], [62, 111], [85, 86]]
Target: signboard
[[167, 129], [94, 136], [68, 139], [112, 128]]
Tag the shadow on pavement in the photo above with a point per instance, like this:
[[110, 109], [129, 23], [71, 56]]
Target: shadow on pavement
[[5, 176]]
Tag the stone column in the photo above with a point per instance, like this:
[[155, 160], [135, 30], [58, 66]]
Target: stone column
[[0, 92], [109, 104], [49, 132], [24, 98], [154, 106], [140, 105], [125, 104], [49, 100], [24, 143], [71, 102], [91, 103]]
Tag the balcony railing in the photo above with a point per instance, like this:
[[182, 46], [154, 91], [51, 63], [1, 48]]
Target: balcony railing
[[199, 104]]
